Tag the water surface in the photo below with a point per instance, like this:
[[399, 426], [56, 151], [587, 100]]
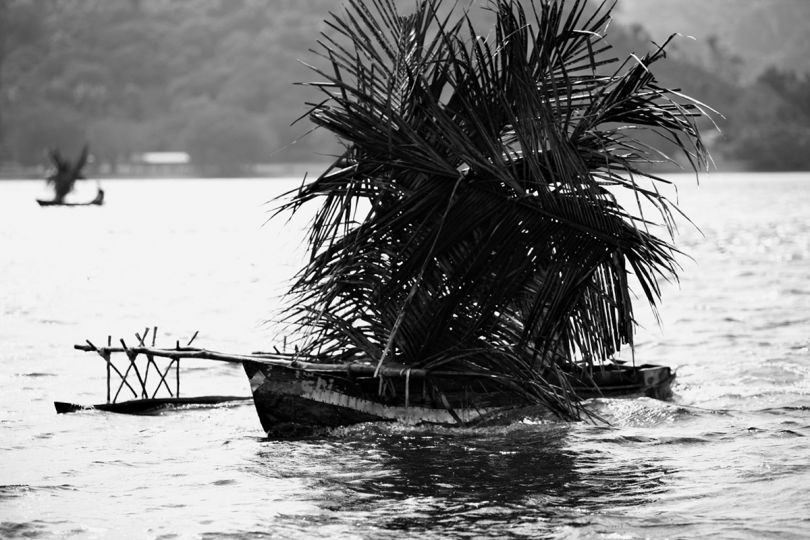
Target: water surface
[[726, 458]]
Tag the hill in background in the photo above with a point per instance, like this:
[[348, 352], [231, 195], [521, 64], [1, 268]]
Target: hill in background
[[214, 78], [750, 59], [754, 34]]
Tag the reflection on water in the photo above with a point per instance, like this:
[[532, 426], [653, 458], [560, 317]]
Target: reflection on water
[[727, 457], [519, 479], [680, 471]]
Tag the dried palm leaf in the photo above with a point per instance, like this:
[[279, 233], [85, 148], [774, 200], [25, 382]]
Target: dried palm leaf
[[472, 222]]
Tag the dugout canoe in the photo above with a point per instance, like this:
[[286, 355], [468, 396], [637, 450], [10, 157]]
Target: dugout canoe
[[297, 395], [295, 399]]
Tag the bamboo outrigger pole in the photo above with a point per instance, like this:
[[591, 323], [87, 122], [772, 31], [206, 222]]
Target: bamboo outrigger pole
[[271, 358]]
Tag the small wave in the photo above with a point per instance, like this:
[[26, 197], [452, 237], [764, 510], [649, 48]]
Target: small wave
[[782, 324], [796, 292], [14, 490], [682, 440], [512, 426], [787, 408], [10, 491], [638, 412], [637, 439], [10, 529], [116, 462], [54, 322], [225, 482]]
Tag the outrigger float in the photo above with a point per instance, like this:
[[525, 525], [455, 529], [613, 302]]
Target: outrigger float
[[296, 395]]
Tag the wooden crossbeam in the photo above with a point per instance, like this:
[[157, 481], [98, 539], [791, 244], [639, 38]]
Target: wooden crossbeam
[[133, 356], [123, 382], [106, 354], [163, 377]]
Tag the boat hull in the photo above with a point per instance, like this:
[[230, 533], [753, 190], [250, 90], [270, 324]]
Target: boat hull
[[97, 201], [294, 401], [43, 202]]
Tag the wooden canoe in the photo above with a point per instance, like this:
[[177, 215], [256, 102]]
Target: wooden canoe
[[295, 400], [294, 396]]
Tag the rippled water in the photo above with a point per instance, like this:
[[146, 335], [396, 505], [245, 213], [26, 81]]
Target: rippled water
[[728, 457]]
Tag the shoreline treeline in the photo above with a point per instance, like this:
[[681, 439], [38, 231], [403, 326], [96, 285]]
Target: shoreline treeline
[[215, 79]]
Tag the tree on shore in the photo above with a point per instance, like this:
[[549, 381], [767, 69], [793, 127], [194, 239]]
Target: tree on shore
[[223, 142]]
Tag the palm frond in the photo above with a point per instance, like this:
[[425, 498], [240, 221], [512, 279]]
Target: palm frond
[[489, 237]]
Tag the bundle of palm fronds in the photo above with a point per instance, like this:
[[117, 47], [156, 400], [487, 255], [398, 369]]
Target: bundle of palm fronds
[[471, 223], [65, 172]]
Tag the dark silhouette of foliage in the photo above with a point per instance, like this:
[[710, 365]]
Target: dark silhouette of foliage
[[471, 223], [222, 141], [783, 147], [777, 136], [46, 126], [65, 173], [791, 86]]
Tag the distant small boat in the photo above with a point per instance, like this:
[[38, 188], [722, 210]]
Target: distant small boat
[[63, 178], [97, 201], [299, 398]]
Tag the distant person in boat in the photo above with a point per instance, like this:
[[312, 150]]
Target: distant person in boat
[[66, 173]]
